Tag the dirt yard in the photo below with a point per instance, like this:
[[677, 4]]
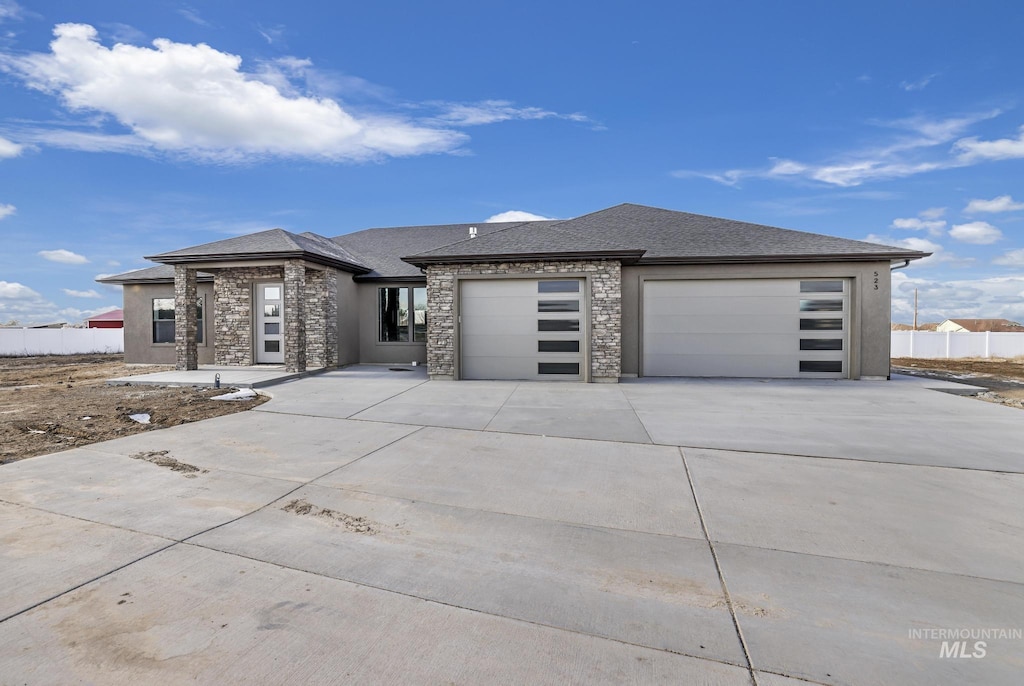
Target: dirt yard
[[58, 402], [1004, 379]]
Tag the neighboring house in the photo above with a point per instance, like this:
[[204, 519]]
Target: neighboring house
[[624, 292], [977, 325], [932, 326], [108, 320]]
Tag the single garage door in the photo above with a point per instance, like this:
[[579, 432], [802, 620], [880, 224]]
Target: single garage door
[[522, 329], [780, 328]]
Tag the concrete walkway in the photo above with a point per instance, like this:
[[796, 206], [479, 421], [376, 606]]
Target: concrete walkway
[[369, 526], [206, 377]]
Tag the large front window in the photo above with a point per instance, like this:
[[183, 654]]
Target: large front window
[[163, 320], [403, 314]]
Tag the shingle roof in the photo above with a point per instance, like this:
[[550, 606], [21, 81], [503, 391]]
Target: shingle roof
[[664, 236], [111, 316], [381, 249], [979, 325], [161, 273], [274, 243]]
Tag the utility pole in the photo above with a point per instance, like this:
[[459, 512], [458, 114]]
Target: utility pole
[[915, 309]]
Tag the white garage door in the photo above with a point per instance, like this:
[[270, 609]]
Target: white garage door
[[777, 328], [522, 329]]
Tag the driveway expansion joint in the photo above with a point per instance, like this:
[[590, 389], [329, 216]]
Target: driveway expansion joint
[[718, 570]]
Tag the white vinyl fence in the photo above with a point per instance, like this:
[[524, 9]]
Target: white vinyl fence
[[949, 344], [23, 342]]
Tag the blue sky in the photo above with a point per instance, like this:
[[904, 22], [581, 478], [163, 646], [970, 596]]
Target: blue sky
[[130, 128]]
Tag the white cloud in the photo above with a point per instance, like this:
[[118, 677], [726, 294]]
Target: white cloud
[[9, 148], [938, 255], [7, 210], [913, 149], [1003, 203], [997, 297], [63, 256], [9, 10], [81, 294], [932, 213], [978, 233], [1011, 258], [918, 85], [192, 15], [271, 34], [515, 216], [22, 304], [12, 290], [493, 111], [195, 101], [974, 150], [935, 227]]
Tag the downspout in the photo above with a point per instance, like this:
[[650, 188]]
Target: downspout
[[906, 263]]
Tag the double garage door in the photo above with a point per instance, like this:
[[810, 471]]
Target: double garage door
[[779, 328], [523, 329]]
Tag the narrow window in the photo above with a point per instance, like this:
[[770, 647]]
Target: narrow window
[[394, 314], [821, 286], [558, 367], [419, 309], [199, 319], [558, 286], [558, 306], [821, 366], [558, 346], [821, 305], [163, 320], [821, 343], [558, 324], [821, 324]]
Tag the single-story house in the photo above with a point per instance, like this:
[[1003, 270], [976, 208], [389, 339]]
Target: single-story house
[[114, 319], [623, 292], [979, 325]]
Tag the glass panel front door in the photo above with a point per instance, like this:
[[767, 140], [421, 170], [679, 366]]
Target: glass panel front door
[[269, 323]]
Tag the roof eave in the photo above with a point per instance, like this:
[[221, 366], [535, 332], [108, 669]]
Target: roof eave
[[279, 255], [207, 278], [763, 259], [626, 256]]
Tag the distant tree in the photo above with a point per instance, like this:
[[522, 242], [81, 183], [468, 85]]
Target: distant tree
[[13, 322]]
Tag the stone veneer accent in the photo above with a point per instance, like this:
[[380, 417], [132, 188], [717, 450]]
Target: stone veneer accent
[[233, 310], [294, 316], [321, 317], [186, 350], [604, 277]]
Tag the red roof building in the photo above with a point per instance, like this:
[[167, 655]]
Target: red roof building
[[108, 320]]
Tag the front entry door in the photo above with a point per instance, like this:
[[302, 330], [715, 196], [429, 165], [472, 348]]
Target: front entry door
[[269, 323]]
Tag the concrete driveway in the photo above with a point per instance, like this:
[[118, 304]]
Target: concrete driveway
[[369, 526]]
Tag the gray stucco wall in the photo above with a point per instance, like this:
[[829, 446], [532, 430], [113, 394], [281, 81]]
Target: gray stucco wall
[[138, 324], [348, 320], [869, 308], [371, 350]]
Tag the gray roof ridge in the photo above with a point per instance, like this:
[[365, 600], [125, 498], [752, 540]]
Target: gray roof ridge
[[515, 225]]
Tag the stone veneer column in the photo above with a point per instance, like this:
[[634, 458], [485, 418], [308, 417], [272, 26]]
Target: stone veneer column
[[606, 322], [294, 316], [186, 350], [441, 322], [330, 318], [317, 320], [604, 277]]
